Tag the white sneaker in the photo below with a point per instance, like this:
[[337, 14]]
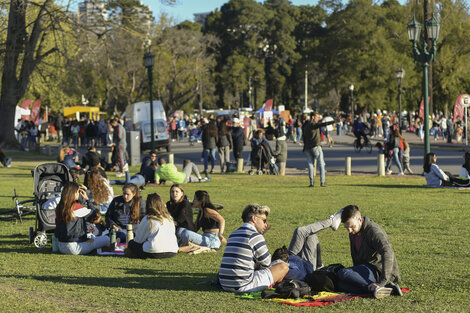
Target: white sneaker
[[401, 174], [335, 220], [120, 174], [125, 168], [388, 173], [382, 292]]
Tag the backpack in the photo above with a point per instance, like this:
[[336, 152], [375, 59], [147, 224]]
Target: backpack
[[292, 289], [324, 279]]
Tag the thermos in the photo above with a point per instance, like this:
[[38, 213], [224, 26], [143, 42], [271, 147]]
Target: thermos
[[113, 237], [130, 233]]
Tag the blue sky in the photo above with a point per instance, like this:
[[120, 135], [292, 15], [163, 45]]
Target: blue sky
[[184, 9]]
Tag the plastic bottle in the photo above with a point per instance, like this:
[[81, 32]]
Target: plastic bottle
[[130, 233], [113, 238], [55, 244]]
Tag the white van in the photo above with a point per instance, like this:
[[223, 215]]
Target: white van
[[138, 118]]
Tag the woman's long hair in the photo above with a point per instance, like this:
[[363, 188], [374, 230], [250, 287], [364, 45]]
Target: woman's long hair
[[206, 203], [211, 129], [62, 153], [64, 210], [98, 187], [180, 187], [223, 128], [155, 209], [428, 161], [135, 207]]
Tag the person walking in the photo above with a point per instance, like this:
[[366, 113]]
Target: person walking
[[209, 145], [238, 139], [224, 145], [394, 144], [312, 146]]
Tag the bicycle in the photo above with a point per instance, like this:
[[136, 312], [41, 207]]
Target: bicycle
[[22, 208], [359, 145]]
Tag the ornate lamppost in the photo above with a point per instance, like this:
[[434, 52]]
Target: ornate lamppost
[[424, 56], [400, 74], [149, 61]]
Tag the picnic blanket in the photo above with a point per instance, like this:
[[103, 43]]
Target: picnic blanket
[[323, 298], [119, 251]]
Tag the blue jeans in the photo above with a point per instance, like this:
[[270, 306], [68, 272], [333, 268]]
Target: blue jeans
[[210, 240], [396, 158], [136, 179], [298, 130], [207, 153], [316, 153], [356, 279]]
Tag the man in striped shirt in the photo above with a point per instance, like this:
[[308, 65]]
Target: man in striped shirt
[[245, 266]]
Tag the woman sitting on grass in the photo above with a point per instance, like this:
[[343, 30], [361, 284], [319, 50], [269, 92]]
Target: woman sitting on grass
[[126, 209], [101, 190], [435, 177], [180, 208], [155, 237], [211, 222], [71, 226]]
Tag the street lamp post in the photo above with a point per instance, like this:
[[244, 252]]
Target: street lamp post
[[400, 74], [149, 61], [351, 96], [424, 56]]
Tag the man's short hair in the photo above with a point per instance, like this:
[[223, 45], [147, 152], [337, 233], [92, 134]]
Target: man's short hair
[[254, 209], [349, 212], [153, 152], [161, 161], [112, 120]]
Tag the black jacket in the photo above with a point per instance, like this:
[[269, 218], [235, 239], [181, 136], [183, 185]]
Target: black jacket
[[116, 209], [238, 137], [179, 210], [75, 230]]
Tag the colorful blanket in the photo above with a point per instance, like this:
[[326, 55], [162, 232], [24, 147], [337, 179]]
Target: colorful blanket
[[119, 251], [321, 299]]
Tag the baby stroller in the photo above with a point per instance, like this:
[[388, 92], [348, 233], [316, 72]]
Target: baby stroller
[[49, 178], [262, 158]]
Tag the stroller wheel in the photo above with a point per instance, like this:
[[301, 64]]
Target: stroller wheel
[[260, 172], [31, 235], [40, 241]]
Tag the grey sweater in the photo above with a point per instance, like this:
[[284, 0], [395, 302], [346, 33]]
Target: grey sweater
[[376, 250]]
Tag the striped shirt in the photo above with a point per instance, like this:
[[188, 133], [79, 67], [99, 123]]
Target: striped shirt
[[245, 248]]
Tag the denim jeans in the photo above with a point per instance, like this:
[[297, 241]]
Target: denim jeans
[[356, 279], [210, 240], [209, 153], [305, 243], [136, 179], [299, 133], [83, 247], [316, 153], [396, 158]]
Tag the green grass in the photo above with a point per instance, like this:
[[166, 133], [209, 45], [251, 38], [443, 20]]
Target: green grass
[[428, 229]]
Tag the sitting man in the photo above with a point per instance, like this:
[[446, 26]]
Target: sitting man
[[304, 254], [147, 169], [375, 267], [245, 265], [169, 172]]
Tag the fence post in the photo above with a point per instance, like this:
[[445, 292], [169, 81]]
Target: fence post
[[282, 168], [240, 165], [381, 165], [348, 166], [171, 158]]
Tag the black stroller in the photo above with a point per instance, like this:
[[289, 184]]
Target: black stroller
[[262, 158], [49, 178]]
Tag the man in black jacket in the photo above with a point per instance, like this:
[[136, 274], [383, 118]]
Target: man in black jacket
[[375, 267], [312, 146]]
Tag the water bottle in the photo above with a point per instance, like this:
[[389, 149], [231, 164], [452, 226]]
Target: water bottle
[[113, 238], [130, 233], [55, 244]]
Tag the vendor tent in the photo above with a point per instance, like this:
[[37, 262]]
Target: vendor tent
[[93, 112]]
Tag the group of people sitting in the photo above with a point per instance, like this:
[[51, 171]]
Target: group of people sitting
[[435, 177], [159, 229]]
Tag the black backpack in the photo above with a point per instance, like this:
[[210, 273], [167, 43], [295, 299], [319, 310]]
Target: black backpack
[[292, 289]]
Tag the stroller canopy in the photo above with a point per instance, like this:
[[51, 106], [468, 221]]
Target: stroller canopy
[[55, 172]]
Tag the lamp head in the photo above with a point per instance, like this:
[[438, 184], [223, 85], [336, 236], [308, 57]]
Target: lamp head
[[414, 29], [351, 87], [400, 73], [149, 59], [433, 27]]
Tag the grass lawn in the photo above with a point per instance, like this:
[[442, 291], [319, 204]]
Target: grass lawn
[[428, 228]]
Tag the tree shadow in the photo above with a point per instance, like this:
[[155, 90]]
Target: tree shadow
[[159, 280], [383, 186]]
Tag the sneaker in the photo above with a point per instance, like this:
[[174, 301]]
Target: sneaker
[[396, 290], [335, 219], [388, 172], [324, 185], [401, 174], [120, 174], [125, 168], [311, 185], [382, 292]]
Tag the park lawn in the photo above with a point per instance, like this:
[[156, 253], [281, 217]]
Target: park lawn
[[428, 229]]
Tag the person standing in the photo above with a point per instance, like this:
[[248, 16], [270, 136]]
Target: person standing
[[312, 146], [209, 145], [375, 267], [238, 139], [224, 145], [119, 139]]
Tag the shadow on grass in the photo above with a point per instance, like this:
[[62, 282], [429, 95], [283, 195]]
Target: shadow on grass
[[157, 281], [384, 186]]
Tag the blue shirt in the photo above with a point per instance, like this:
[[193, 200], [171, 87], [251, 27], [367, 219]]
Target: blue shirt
[[298, 268]]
